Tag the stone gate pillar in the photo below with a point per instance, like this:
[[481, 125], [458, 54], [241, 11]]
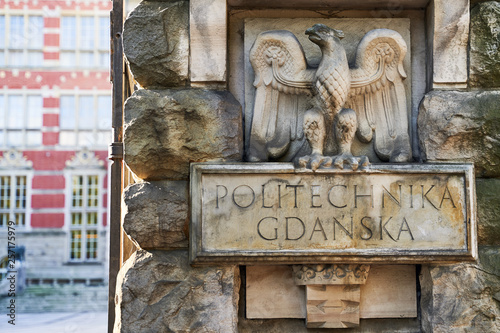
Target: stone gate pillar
[[198, 87]]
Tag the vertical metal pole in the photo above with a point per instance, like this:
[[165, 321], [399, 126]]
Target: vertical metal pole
[[115, 154]]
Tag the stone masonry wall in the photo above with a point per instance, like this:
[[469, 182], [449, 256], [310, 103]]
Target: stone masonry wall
[[464, 126], [169, 124]]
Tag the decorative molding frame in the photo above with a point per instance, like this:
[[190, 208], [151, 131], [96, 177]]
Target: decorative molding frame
[[330, 274], [84, 159], [446, 70], [13, 158]]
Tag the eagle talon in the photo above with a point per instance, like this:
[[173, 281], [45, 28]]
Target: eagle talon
[[354, 161], [364, 161], [339, 162], [315, 161]]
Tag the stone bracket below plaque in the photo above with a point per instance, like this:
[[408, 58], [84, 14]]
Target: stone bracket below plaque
[[333, 293], [335, 306]]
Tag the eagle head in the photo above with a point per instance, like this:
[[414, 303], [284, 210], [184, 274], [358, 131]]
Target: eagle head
[[320, 34]]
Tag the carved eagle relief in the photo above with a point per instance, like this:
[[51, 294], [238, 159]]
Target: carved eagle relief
[[367, 100]]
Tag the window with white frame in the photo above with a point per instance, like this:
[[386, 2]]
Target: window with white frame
[[85, 120], [84, 41], [21, 119], [85, 217], [84, 175], [15, 184], [21, 41], [13, 196]]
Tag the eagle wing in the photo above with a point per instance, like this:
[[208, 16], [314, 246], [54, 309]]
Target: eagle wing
[[281, 75], [378, 94]]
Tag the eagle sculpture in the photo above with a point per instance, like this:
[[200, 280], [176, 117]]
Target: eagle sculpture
[[367, 100]]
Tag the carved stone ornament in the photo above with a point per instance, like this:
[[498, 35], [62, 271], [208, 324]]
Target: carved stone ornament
[[14, 158], [333, 293], [367, 100], [330, 274], [84, 159]]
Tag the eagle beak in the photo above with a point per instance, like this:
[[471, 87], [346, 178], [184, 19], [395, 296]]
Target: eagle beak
[[313, 36], [339, 33]]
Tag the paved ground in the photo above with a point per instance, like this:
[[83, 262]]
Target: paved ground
[[67, 322]]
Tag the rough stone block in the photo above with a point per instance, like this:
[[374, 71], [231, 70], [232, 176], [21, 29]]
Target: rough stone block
[[160, 292], [484, 45], [461, 127], [166, 130], [156, 43], [155, 215], [488, 209], [462, 297]]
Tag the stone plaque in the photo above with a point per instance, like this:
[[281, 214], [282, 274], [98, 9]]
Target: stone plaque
[[250, 213]]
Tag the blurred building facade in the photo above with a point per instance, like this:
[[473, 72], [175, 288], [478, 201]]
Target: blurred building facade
[[55, 120]]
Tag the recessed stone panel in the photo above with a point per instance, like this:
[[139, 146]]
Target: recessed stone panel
[[448, 34], [354, 30], [389, 292], [273, 212], [208, 33]]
